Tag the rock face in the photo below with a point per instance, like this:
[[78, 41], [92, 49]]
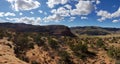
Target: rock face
[[57, 30]]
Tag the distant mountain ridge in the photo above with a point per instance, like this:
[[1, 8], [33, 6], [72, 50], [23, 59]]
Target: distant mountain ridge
[[95, 30], [60, 30]]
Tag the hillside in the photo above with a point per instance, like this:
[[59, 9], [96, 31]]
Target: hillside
[[48, 30], [54, 44], [94, 30]]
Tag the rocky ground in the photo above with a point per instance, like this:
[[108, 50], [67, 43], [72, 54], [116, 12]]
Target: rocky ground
[[7, 55]]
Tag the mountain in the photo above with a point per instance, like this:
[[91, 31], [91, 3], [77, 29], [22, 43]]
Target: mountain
[[94, 30], [57, 30]]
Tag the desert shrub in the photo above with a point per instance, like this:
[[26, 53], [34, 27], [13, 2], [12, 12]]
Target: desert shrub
[[31, 45], [34, 62], [64, 55], [24, 58], [65, 58], [80, 50], [114, 52], [38, 41], [1, 35], [100, 43], [22, 44], [80, 47], [53, 44]]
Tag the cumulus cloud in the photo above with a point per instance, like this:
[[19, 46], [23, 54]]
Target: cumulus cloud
[[72, 18], [54, 17], [61, 11], [115, 21], [97, 1], [20, 14], [9, 14], [32, 12], [2, 14], [27, 20], [68, 6], [106, 15], [52, 3], [84, 18], [116, 14], [82, 8], [24, 4], [40, 11]]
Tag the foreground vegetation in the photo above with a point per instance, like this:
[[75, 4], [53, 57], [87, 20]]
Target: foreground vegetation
[[68, 49]]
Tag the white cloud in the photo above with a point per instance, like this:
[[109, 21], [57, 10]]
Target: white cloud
[[82, 8], [68, 6], [101, 19], [116, 14], [24, 4], [40, 11], [72, 18], [52, 3], [97, 1], [20, 14], [115, 21], [106, 15], [27, 20], [54, 17], [32, 12], [84, 18], [61, 11], [2, 14], [9, 14]]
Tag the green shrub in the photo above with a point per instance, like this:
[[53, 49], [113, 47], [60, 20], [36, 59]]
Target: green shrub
[[65, 58], [64, 55], [53, 44], [100, 43], [38, 41], [80, 50], [1, 35], [114, 52], [34, 62]]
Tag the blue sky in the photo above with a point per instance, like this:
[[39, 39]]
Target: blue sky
[[104, 13]]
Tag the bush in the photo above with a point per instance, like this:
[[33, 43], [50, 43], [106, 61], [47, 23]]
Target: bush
[[34, 62], [53, 44], [100, 43], [24, 58], [38, 41], [65, 58], [1, 35], [80, 50], [114, 52], [64, 55]]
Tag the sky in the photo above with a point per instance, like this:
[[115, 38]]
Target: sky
[[104, 13]]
